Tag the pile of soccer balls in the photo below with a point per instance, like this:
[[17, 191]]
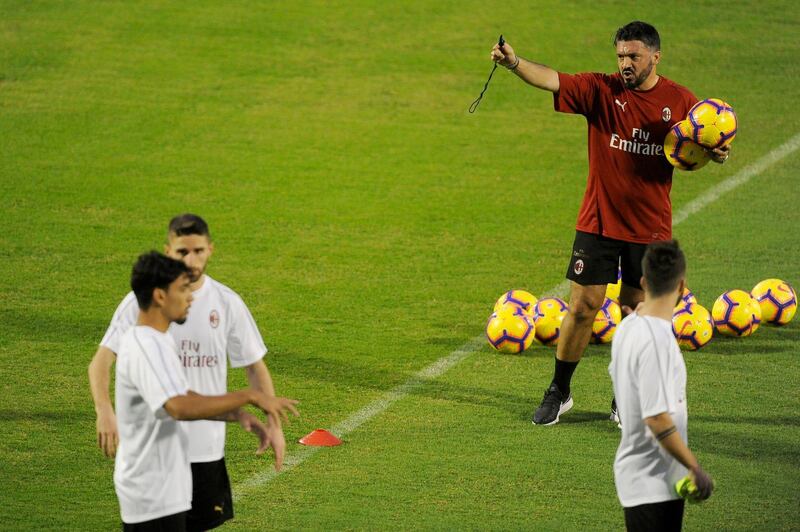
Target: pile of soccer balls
[[735, 313], [520, 319], [710, 124]]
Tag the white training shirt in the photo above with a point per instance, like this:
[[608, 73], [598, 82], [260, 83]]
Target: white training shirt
[[649, 377], [152, 474], [219, 329]]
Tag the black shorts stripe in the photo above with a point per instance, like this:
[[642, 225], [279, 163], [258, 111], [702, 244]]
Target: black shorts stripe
[[212, 502], [595, 260]]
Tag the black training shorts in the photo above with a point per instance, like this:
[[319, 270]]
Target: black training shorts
[[168, 523], [595, 259], [212, 503], [664, 516]]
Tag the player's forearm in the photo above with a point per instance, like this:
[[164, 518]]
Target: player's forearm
[[100, 379], [260, 379], [667, 435], [193, 406], [228, 417], [540, 76]]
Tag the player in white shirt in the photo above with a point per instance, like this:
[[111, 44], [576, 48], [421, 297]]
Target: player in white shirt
[[219, 329], [649, 377], [152, 473]]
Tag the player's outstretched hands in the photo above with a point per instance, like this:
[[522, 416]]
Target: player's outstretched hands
[[278, 443], [268, 436], [703, 482], [275, 407], [720, 155], [253, 425], [107, 435], [505, 56]]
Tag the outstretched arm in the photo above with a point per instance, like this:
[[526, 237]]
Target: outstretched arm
[[99, 383], [195, 406], [540, 76]]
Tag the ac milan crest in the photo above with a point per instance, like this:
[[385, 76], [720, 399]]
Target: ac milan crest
[[666, 114], [578, 267], [213, 319]]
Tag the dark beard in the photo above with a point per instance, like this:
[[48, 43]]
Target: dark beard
[[181, 321], [638, 80]]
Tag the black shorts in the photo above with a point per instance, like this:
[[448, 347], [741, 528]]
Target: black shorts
[[168, 523], [596, 259], [664, 516], [212, 503]]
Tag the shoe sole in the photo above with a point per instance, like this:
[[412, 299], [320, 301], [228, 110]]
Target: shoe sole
[[564, 408]]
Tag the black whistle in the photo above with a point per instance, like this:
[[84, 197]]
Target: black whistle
[[501, 42]]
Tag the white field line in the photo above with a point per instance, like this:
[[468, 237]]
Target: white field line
[[444, 364], [739, 178]]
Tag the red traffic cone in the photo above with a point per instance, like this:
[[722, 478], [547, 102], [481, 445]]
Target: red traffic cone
[[320, 438]]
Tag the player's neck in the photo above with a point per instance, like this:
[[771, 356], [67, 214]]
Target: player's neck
[[649, 83], [198, 284], [659, 307], [153, 317]]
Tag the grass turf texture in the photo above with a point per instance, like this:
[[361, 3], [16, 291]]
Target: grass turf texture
[[370, 223]]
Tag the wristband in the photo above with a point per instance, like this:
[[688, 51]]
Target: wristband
[[515, 65]]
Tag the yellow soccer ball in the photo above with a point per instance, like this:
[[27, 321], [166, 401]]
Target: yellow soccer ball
[[735, 313], [681, 151], [777, 299], [519, 298], [510, 331], [713, 123], [548, 314], [692, 326], [606, 321]]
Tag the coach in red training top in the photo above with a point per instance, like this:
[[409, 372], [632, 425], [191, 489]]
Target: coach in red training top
[[626, 205]]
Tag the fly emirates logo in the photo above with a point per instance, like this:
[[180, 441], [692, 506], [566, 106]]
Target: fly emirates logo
[[638, 144], [191, 357]]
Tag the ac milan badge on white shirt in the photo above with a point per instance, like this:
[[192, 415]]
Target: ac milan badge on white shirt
[[213, 319]]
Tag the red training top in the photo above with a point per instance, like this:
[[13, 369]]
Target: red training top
[[627, 192]]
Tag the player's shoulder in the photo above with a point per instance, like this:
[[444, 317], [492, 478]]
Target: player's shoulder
[[128, 305], [678, 89], [600, 78], [635, 330], [228, 298], [221, 290], [133, 341]]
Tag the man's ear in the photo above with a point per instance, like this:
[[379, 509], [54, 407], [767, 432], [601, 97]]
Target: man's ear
[[656, 57], [210, 248], [643, 283], [159, 296]]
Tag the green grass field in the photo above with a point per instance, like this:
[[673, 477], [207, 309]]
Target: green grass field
[[370, 222]]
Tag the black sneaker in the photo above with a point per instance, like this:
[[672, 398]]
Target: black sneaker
[[615, 413], [553, 405]]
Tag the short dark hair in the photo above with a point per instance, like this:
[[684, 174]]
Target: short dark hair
[[639, 31], [153, 270], [663, 265], [188, 224]]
